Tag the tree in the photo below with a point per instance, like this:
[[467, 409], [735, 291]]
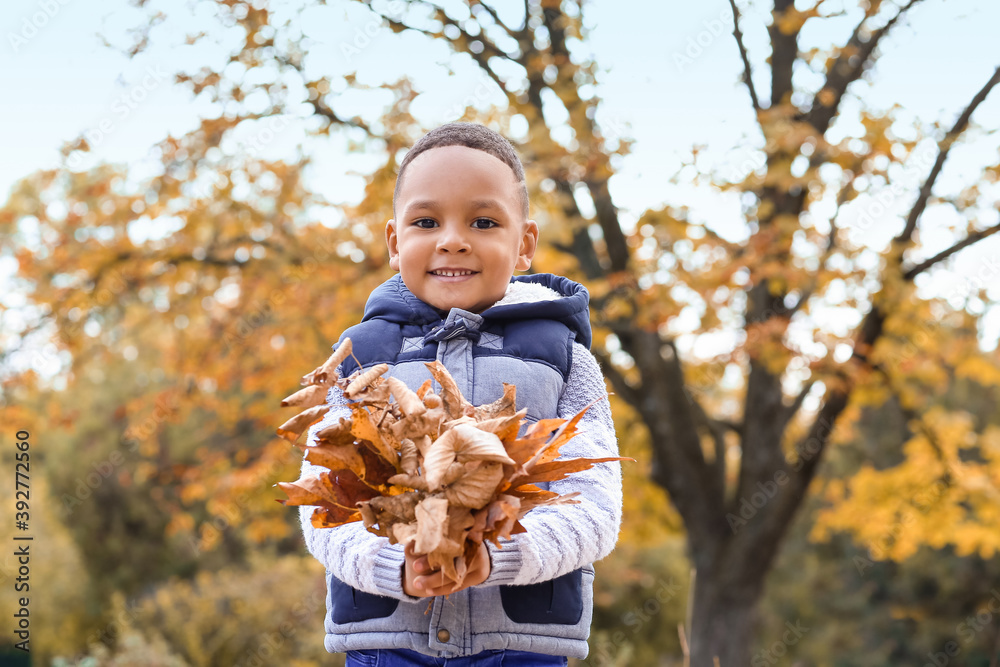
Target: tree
[[737, 477]]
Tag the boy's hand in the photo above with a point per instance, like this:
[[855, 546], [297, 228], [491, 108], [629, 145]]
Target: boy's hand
[[419, 580]]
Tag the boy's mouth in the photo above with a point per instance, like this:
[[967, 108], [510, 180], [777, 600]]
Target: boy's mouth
[[452, 273]]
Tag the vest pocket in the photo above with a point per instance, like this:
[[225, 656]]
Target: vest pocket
[[349, 605], [558, 600]]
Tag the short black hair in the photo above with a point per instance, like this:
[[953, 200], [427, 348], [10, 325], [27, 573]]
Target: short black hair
[[471, 135]]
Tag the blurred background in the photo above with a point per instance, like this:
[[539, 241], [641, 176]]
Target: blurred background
[[787, 230]]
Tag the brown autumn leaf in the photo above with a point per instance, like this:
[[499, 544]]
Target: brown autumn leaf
[[331, 517], [307, 397], [365, 429], [324, 374], [505, 428], [348, 488], [463, 443], [432, 523], [377, 469], [409, 456], [408, 480], [505, 406], [556, 470], [294, 427], [362, 381], [501, 515], [455, 404], [395, 509], [429, 422], [406, 398], [309, 490], [474, 489], [425, 387], [403, 533], [338, 433], [336, 457], [523, 449]]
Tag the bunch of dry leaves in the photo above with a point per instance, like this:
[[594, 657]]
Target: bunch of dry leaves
[[426, 468]]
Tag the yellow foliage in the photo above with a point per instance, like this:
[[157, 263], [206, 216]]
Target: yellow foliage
[[933, 497], [979, 369]]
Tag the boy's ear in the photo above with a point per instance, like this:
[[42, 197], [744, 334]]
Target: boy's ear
[[529, 241], [390, 242]]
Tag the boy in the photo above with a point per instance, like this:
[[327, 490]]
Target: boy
[[460, 228]]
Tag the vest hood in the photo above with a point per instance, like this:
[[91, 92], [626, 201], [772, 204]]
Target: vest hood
[[393, 302]]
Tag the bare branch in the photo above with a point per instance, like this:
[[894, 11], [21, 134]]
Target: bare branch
[[717, 431], [679, 463], [831, 243], [607, 217], [320, 107], [489, 50], [944, 254], [747, 72], [944, 146], [493, 14], [797, 403], [582, 247], [843, 73], [607, 212], [784, 51]]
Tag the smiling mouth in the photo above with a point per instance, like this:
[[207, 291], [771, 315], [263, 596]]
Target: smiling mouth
[[449, 273]]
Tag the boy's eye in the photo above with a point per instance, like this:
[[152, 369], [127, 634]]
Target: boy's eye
[[483, 223], [424, 223]]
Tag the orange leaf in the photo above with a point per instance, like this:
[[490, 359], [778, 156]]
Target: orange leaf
[[555, 470], [336, 457]]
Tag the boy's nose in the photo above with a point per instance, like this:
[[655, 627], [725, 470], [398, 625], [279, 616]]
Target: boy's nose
[[453, 240]]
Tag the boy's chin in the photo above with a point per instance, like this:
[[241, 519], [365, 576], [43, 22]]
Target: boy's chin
[[445, 305]]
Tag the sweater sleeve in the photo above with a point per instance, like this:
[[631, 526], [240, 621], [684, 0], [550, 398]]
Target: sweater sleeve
[[562, 538], [351, 553]]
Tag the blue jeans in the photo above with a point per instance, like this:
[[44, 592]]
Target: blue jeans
[[401, 657]]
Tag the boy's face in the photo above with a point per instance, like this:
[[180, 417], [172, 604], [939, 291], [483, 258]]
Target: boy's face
[[459, 232]]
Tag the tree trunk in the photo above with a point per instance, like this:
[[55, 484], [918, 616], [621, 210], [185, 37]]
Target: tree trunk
[[723, 615]]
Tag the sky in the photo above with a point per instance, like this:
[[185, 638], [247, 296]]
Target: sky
[[669, 79]]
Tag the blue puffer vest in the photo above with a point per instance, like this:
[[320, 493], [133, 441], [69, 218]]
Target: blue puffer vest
[[530, 345]]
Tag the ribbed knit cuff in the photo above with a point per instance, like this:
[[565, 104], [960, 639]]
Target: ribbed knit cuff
[[388, 573], [505, 563]]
